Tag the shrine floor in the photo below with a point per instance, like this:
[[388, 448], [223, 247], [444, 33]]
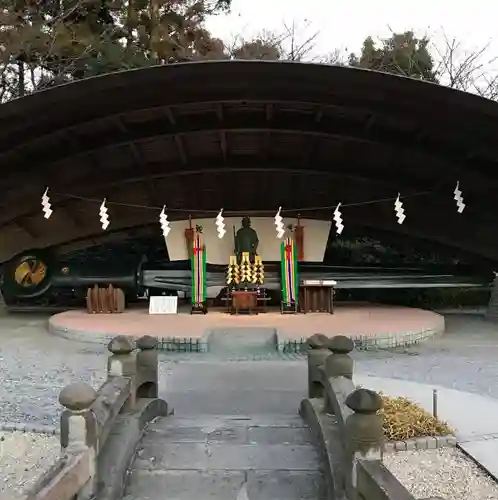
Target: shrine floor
[[369, 325]]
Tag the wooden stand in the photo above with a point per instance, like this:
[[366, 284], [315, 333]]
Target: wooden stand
[[108, 300], [317, 296], [246, 301]]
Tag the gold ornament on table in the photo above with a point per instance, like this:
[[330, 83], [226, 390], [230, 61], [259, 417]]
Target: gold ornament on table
[[233, 272], [245, 268], [258, 271]]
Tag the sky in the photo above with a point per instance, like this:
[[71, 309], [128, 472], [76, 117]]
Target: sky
[[344, 24]]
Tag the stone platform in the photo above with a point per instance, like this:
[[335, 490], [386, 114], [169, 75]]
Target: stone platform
[[369, 325]]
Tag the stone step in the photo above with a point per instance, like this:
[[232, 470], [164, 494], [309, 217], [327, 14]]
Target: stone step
[[225, 485], [262, 457], [163, 455], [242, 340], [228, 430], [220, 420]]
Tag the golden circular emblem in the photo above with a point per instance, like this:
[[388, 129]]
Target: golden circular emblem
[[65, 270], [30, 273]]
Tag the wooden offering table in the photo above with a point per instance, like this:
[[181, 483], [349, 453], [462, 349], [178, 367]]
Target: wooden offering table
[[244, 300], [317, 296]]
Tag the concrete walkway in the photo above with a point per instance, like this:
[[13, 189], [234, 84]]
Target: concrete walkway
[[474, 417], [274, 387]]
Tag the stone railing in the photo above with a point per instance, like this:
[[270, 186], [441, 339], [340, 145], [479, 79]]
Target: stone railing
[[100, 429], [346, 426]]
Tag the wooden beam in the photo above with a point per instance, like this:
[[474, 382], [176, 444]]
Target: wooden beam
[[170, 115], [181, 149], [265, 148], [116, 120], [370, 122], [269, 111], [319, 115], [70, 214], [224, 145], [137, 157], [219, 111], [22, 224], [150, 187], [312, 150], [73, 142], [178, 138], [222, 133]]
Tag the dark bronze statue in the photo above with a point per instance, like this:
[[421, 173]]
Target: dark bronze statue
[[246, 240]]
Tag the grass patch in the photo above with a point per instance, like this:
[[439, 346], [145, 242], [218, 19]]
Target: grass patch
[[403, 419]]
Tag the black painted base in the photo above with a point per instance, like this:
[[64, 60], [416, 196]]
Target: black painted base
[[289, 307], [199, 308]]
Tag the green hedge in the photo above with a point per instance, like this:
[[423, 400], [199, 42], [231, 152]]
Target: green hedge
[[430, 298]]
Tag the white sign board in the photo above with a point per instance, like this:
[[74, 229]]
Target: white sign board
[[163, 305], [324, 283]]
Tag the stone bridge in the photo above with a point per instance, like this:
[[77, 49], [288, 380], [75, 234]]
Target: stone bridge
[[123, 442]]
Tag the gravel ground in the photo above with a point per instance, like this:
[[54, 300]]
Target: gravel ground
[[464, 358], [35, 366], [24, 456], [445, 473]]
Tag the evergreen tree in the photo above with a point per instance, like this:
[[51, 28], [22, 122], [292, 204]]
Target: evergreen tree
[[257, 49], [401, 54], [49, 42]]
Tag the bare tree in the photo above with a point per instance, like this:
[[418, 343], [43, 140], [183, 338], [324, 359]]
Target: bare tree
[[444, 60], [294, 42], [338, 57], [463, 69], [298, 41]]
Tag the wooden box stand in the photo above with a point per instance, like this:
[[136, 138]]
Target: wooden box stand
[[246, 301], [317, 296]]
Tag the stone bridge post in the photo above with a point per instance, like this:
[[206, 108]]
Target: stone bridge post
[[79, 429], [364, 434], [147, 367], [340, 363], [123, 363], [318, 352]]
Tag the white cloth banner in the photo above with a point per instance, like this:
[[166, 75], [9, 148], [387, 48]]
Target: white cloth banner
[[163, 305]]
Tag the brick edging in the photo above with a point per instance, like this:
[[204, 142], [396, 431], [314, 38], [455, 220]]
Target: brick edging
[[33, 428], [387, 340], [421, 443]]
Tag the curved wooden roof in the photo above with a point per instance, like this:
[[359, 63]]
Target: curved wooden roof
[[248, 135]]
